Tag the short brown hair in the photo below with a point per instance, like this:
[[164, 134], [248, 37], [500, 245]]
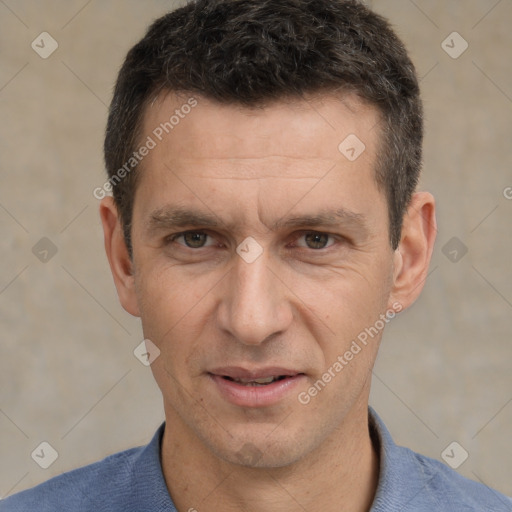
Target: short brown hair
[[251, 52]]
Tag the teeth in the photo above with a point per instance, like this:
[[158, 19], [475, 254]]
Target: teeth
[[255, 382], [266, 380]]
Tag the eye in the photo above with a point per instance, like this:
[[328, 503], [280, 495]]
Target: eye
[[191, 239], [316, 240]]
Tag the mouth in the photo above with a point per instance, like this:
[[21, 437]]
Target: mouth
[[264, 381], [255, 388]]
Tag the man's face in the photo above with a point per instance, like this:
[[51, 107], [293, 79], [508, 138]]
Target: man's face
[[286, 261]]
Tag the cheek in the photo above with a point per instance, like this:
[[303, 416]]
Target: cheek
[[172, 316], [166, 299], [348, 300], [350, 307]]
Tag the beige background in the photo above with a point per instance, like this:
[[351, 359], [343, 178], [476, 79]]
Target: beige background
[[68, 373]]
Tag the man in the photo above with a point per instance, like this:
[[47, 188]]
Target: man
[[265, 226]]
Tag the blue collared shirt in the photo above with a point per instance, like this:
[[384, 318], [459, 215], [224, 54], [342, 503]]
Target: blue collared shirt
[[132, 481]]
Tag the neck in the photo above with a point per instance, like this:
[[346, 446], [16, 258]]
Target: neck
[[343, 470]]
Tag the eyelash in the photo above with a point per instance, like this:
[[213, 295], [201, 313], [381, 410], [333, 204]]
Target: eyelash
[[172, 238]]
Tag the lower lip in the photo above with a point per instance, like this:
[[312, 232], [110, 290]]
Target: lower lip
[[255, 396]]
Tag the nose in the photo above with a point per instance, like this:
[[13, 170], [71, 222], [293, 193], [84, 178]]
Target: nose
[[254, 305]]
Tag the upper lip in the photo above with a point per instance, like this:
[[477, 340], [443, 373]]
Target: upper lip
[[238, 372]]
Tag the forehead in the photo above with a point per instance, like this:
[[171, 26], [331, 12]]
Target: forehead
[[238, 162], [309, 129]]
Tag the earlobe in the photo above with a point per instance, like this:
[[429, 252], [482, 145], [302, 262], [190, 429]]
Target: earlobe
[[117, 253], [413, 255]]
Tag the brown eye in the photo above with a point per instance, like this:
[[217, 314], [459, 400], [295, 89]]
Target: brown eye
[[195, 240], [316, 240], [191, 239]]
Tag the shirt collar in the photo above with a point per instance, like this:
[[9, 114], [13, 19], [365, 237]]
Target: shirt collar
[[149, 489], [401, 478]]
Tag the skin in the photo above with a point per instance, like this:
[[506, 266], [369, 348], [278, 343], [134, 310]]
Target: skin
[[298, 305]]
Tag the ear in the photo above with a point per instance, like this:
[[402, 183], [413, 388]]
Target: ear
[[412, 257], [117, 253]]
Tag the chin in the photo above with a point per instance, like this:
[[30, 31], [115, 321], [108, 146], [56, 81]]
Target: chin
[[258, 451]]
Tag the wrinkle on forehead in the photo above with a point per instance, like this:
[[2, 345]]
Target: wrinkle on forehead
[[320, 117], [264, 167]]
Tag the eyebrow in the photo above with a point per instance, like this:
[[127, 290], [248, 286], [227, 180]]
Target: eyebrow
[[179, 217]]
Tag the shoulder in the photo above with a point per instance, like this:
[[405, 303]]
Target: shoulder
[[124, 482], [411, 481], [448, 490], [91, 487]]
